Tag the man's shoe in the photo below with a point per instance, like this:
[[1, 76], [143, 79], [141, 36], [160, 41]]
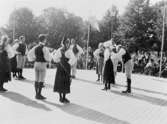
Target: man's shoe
[[40, 97], [127, 91]]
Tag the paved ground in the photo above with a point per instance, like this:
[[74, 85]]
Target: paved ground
[[89, 104]]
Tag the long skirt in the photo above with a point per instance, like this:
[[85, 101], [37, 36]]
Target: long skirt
[[99, 66], [62, 79], [20, 61], [13, 62], [5, 69], [108, 74]]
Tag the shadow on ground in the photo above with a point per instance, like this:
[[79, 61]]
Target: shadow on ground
[[18, 98], [87, 113], [119, 85], [152, 100]]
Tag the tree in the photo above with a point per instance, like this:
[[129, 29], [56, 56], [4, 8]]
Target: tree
[[23, 21], [138, 24]]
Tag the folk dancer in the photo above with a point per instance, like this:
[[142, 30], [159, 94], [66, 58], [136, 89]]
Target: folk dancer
[[78, 51], [5, 54], [108, 72], [115, 59], [22, 50], [126, 58], [99, 55], [41, 55], [64, 57], [13, 61]]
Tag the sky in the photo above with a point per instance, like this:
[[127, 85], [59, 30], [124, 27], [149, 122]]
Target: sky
[[82, 8]]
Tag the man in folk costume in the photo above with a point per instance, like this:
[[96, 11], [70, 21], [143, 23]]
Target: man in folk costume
[[108, 72], [6, 53], [99, 55], [13, 61], [77, 50], [21, 49], [41, 55], [126, 58]]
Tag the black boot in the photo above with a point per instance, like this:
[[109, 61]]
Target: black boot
[[105, 87], [128, 86], [65, 100], [98, 78], [108, 86], [21, 74], [2, 89], [36, 89], [61, 98], [39, 95]]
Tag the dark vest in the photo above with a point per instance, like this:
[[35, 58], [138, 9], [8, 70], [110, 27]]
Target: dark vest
[[126, 57], [75, 49], [101, 54], [39, 54], [22, 48]]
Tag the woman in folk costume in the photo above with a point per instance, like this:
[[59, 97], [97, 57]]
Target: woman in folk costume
[[5, 70], [77, 50], [115, 59], [22, 50], [41, 55], [108, 72], [126, 58], [99, 55], [13, 61], [64, 57]]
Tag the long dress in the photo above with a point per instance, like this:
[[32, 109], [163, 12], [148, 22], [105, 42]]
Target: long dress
[[5, 69], [63, 79], [108, 75], [108, 72], [13, 62], [99, 54]]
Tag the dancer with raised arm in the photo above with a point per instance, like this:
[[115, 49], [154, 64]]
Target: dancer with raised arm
[[108, 72], [78, 51]]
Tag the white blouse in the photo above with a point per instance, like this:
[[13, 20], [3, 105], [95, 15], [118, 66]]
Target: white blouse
[[69, 54], [9, 51]]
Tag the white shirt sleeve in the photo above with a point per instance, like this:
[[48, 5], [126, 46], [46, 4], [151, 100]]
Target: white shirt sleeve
[[10, 51], [14, 47], [80, 50], [47, 54], [26, 50], [121, 53], [106, 54], [31, 54], [57, 56], [96, 53], [72, 59]]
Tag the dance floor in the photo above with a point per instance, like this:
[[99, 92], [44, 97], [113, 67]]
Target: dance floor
[[89, 104]]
